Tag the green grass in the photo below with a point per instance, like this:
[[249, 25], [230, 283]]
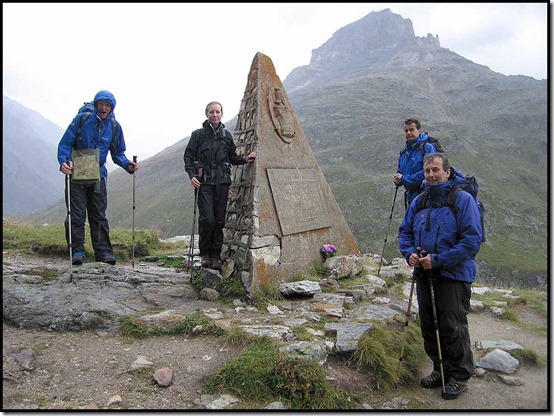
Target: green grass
[[261, 374], [266, 295], [238, 336], [535, 299], [380, 352], [232, 288], [49, 240], [528, 356], [132, 327]]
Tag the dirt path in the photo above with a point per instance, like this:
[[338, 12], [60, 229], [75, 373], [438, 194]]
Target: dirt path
[[488, 392]]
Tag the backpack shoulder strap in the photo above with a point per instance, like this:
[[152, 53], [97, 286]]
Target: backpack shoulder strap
[[451, 198], [422, 200], [421, 147], [85, 115], [114, 144], [115, 128]]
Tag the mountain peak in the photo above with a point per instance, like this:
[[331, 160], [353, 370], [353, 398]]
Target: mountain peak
[[376, 32], [378, 42]]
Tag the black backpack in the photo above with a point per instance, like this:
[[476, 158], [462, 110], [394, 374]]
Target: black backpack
[[86, 109], [468, 184], [431, 140], [434, 142]]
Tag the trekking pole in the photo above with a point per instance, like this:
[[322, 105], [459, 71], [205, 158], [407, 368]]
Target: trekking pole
[[436, 323], [191, 245], [388, 229], [408, 315], [68, 187], [200, 172], [133, 249]]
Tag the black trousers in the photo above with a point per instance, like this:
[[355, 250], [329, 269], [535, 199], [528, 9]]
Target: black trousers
[[212, 204], [91, 200], [452, 303]]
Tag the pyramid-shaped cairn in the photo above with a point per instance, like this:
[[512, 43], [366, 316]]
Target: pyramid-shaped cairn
[[281, 210]]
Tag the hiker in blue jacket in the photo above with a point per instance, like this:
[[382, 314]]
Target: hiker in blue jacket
[[410, 162], [89, 137], [441, 246]]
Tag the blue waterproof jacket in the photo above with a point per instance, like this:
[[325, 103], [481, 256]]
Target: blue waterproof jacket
[[410, 165], [95, 133], [452, 241]]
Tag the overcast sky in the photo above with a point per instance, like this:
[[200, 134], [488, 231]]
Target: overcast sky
[[164, 62]]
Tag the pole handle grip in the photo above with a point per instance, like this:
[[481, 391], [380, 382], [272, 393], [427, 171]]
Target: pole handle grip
[[134, 159]]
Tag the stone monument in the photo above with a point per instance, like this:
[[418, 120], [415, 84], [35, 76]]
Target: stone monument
[[281, 210]]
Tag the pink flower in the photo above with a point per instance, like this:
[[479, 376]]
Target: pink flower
[[328, 250]]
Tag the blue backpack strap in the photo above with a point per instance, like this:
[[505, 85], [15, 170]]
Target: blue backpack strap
[[115, 127]]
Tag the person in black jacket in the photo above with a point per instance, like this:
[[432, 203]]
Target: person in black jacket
[[208, 158]]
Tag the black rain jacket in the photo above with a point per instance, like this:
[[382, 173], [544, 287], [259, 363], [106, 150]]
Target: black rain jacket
[[215, 152]]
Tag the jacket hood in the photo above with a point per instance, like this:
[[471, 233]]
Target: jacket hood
[[438, 191], [413, 143], [105, 95], [423, 137]]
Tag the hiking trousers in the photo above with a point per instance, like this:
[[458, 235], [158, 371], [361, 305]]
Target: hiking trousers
[[452, 303], [212, 205], [91, 201]]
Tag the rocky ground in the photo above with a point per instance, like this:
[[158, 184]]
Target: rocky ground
[[90, 370]]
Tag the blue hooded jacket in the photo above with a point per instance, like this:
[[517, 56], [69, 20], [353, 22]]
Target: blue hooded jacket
[[95, 133], [410, 165], [452, 241]]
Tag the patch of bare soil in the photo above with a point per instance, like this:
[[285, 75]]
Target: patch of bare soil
[[79, 369]]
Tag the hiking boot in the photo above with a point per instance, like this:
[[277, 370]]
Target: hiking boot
[[206, 261], [107, 258], [432, 381], [216, 263], [78, 258], [454, 389]]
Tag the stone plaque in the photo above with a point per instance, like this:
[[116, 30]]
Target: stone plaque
[[298, 200]]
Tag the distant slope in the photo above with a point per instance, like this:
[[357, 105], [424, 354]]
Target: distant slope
[[31, 177]]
